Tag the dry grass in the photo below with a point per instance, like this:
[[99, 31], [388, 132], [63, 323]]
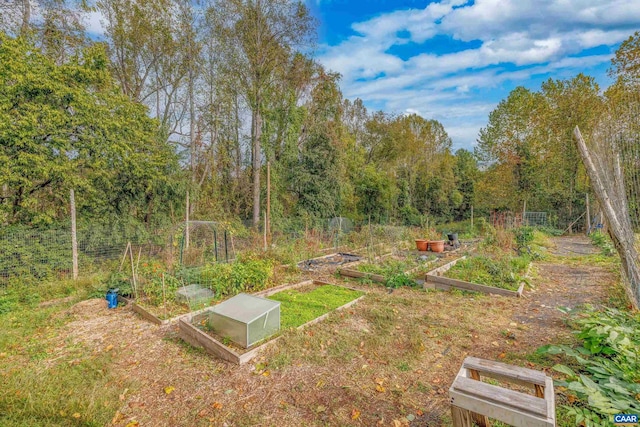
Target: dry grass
[[389, 357]]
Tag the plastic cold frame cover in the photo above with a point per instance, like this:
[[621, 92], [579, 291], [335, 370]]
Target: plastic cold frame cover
[[246, 319]]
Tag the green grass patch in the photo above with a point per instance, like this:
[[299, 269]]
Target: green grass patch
[[298, 307], [504, 272], [40, 385]]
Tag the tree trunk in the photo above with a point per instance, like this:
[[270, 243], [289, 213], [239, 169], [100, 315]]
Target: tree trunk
[[256, 122]]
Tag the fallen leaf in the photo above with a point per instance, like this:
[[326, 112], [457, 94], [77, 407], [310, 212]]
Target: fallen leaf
[[109, 347], [419, 413], [136, 404], [169, 389], [380, 389], [355, 414], [202, 413], [321, 408], [397, 423], [63, 414], [502, 355], [320, 384], [76, 415], [133, 424], [266, 373], [119, 416], [217, 405]]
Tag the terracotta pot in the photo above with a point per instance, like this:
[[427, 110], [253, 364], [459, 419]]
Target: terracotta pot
[[437, 245], [422, 244]]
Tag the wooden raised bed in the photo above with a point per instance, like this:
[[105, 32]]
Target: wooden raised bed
[[348, 272], [198, 338], [435, 280]]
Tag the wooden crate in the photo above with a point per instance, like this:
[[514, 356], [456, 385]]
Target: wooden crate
[[473, 401]]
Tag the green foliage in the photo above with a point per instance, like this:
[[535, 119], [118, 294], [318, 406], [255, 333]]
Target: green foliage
[[605, 369], [603, 241], [394, 270], [298, 307], [500, 271], [243, 275], [68, 126], [523, 237]]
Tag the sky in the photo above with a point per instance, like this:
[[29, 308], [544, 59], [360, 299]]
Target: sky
[[455, 60]]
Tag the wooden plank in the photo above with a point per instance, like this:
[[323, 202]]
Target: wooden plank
[[504, 372], [550, 400], [479, 419], [362, 275], [511, 407], [446, 284], [198, 338], [461, 417], [146, 315], [444, 268], [268, 292]]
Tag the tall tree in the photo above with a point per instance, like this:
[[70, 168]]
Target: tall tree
[[257, 38]]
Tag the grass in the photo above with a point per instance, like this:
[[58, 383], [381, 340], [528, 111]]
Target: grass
[[39, 388], [504, 272], [394, 270], [298, 307]]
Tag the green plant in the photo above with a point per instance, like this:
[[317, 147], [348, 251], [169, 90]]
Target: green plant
[[500, 271], [602, 241], [605, 375], [298, 307]]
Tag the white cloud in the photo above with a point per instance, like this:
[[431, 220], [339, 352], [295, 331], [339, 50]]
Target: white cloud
[[93, 22], [515, 39]]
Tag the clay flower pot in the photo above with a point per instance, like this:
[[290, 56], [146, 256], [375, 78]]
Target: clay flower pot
[[437, 245], [422, 244]]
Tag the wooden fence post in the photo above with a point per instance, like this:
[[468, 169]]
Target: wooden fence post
[[74, 236]]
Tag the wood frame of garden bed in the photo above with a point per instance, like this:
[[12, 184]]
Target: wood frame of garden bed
[[435, 280], [375, 277], [198, 338]]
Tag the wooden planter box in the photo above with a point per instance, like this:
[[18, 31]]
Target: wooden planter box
[[198, 338], [435, 280], [348, 272]]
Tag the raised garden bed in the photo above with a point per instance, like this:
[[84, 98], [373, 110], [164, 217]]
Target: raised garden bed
[[302, 304], [328, 262], [440, 278], [391, 270]]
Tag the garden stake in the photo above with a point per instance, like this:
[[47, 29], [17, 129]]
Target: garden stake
[[164, 299], [133, 273]]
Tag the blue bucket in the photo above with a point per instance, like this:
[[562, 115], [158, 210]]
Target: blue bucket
[[112, 298]]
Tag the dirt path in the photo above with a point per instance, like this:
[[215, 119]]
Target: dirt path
[[387, 361], [561, 286]]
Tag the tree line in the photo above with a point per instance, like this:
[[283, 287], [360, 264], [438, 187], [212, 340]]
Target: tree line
[[180, 97]]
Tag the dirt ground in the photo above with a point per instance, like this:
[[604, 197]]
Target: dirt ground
[[388, 360]]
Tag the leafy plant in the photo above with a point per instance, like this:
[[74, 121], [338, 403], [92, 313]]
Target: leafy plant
[[605, 375], [602, 241], [500, 271]]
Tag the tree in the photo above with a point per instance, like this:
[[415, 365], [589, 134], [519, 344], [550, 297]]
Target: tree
[[257, 38], [68, 126], [625, 65], [512, 138]]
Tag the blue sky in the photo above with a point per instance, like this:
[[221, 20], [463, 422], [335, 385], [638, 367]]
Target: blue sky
[[454, 60]]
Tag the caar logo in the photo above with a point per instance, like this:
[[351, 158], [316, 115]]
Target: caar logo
[[625, 419]]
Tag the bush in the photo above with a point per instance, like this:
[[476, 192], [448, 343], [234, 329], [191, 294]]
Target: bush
[[604, 377]]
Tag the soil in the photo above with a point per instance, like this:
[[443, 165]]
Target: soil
[[388, 360]]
